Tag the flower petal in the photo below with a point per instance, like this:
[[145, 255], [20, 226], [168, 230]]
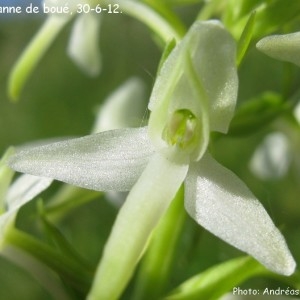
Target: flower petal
[[84, 43], [24, 189], [284, 47], [112, 160], [212, 53], [145, 205], [219, 201]]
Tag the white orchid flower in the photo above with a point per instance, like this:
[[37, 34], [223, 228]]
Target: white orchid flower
[[194, 94], [282, 46]]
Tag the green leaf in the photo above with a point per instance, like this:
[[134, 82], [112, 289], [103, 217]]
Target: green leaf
[[257, 113], [292, 281], [272, 16], [245, 38], [246, 6], [58, 239], [69, 269], [234, 11], [217, 280]]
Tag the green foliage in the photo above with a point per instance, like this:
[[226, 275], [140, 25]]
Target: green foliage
[[245, 38], [217, 280], [256, 113]]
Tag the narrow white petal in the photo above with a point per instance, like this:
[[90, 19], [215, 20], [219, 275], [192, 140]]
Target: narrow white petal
[[145, 205], [112, 160], [24, 189], [219, 201], [284, 47], [84, 43], [123, 108], [272, 157]]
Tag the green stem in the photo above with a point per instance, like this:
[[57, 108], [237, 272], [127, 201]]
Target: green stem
[[69, 270], [168, 14], [157, 264], [55, 237], [210, 9], [245, 38], [150, 18]]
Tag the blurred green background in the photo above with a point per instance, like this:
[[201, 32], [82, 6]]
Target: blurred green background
[[59, 100]]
